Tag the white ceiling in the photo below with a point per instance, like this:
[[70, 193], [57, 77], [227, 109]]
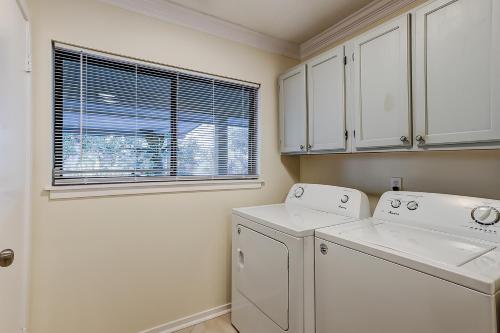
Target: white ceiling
[[290, 20]]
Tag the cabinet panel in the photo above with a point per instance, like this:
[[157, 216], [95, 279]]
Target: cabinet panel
[[293, 110], [458, 72], [326, 101], [382, 86]]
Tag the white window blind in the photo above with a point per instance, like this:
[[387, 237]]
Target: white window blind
[[121, 120]]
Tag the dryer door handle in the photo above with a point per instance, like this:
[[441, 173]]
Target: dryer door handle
[[241, 259]]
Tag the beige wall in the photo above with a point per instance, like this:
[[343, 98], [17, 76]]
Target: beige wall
[[471, 173], [124, 264]]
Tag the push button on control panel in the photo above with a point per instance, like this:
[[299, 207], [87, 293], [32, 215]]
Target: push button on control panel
[[412, 205], [396, 203], [344, 198], [299, 192]]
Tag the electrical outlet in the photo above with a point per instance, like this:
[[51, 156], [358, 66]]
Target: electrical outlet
[[396, 183]]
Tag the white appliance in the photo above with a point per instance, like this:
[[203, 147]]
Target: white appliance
[[273, 256], [425, 263]]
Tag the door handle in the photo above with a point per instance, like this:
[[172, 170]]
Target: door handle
[[420, 139], [6, 258], [241, 259]]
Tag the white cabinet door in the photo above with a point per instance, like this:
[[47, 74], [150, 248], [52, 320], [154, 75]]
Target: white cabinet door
[[382, 86], [293, 110], [458, 72], [326, 101]]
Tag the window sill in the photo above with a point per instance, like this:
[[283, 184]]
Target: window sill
[[105, 190]]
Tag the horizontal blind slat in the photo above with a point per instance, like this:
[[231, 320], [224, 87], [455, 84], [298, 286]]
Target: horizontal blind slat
[[117, 120]]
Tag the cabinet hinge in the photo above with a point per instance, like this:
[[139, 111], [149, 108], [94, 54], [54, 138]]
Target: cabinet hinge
[[345, 60], [346, 134], [354, 134]]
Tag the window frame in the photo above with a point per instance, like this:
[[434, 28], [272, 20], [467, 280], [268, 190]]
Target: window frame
[[254, 140]]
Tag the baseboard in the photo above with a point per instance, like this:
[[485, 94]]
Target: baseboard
[[191, 320]]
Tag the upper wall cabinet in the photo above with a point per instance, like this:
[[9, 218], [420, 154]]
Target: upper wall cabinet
[[458, 72], [326, 101], [429, 81], [293, 110], [381, 81]]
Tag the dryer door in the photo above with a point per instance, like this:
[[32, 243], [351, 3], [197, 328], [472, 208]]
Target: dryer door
[[262, 273]]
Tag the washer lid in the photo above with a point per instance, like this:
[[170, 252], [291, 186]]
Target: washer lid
[[462, 260], [291, 219], [439, 247]]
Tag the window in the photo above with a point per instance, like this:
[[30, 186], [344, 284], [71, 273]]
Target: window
[[121, 120]]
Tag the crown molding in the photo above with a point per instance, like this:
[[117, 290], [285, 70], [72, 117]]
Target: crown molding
[[355, 22], [177, 14]]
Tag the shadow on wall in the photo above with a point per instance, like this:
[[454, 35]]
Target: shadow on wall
[[470, 173], [292, 166]]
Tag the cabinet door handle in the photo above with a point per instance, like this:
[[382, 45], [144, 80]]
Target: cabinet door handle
[[6, 258], [420, 139], [309, 147], [301, 147], [404, 139]]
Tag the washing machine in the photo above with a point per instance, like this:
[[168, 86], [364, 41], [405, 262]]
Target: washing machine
[[423, 263], [273, 256]]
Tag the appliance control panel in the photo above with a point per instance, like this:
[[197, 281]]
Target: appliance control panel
[[467, 216], [333, 199]]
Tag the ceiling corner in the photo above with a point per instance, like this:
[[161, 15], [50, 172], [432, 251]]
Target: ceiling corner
[[182, 16]]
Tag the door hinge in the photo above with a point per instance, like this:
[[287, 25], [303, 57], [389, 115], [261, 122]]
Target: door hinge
[[345, 60], [28, 65], [27, 60], [346, 134]]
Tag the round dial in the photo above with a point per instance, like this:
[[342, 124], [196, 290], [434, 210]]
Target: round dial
[[412, 205], [395, 203], [344, 198], [299, 191], [485, 215]]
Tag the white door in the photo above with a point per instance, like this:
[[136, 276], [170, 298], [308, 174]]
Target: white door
[[293, 110], [14, 167], [326, 101], [382, 86], [262, 273], [458, 72]]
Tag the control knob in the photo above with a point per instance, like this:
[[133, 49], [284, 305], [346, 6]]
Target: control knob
[[485, 215]]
